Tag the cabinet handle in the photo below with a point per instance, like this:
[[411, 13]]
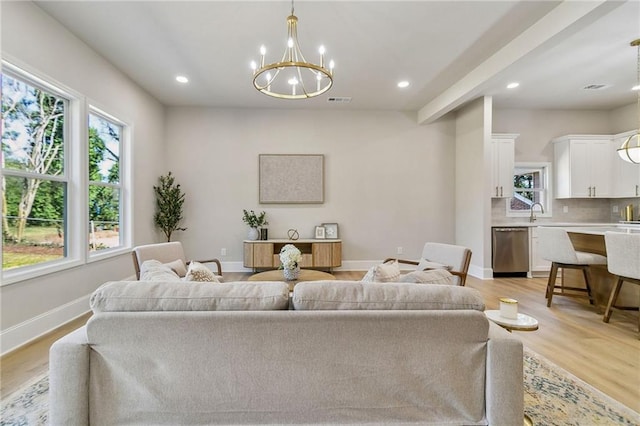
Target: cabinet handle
[[637, 190], [589, 191], [497, 191], [501, 191], [594, 191]]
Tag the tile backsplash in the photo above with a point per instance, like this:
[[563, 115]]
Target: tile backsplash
[[578, 210]]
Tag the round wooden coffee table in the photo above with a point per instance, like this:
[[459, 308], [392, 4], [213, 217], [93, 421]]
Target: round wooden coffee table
[[305, 275]]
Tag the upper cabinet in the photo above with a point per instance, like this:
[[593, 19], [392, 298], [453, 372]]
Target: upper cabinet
[[583, 166], [502, 164], [626, 176]]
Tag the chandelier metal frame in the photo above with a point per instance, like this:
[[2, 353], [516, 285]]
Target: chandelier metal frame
[[304, 79], [628, 151]]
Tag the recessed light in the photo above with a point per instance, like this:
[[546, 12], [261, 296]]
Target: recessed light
[[182, 79], [403, 84], [512, 85]]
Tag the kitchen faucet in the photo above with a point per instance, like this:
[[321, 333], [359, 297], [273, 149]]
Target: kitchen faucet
[[532, 218]]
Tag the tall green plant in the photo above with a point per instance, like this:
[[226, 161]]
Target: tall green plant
[[169, 201]]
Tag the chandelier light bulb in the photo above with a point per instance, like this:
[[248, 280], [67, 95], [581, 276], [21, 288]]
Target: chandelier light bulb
[[254, 66], [263, 50], [321, 50], [636, 87], [290, 43], [293, 81]]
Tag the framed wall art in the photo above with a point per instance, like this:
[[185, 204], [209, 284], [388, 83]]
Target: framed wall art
[[320, 232], [330, 230], [291, 178]]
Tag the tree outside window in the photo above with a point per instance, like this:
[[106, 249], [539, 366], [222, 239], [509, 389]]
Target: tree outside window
[[33, 174], [530, 185], [104, 182]]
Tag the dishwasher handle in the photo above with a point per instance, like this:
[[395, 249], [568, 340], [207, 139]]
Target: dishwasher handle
[[510, 229]]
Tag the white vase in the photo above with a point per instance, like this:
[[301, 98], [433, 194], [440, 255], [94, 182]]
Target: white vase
[[291, 274], [253, 234]]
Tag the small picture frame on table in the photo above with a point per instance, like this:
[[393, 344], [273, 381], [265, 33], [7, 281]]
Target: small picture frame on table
[[330, 231], [319, 233]]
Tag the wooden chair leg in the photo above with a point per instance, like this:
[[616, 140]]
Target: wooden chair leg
[[587, 281], [612, 299], [552, 282]]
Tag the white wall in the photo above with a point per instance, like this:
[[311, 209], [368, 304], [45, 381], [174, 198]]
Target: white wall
[[388, 181], [36, 41], [538, 127], [624, 118], [473, 181]]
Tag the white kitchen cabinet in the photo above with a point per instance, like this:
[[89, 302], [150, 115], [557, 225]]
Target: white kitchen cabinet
[[583, 166], [537, 265], [626, 176], [502, 164]]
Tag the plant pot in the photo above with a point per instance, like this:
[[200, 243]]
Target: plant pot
[[253, 234], [291, 274]]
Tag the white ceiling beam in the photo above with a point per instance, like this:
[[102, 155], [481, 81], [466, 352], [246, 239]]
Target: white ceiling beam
[[562, 17]]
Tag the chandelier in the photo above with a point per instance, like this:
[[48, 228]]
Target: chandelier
[[630, 151], [293, 77]]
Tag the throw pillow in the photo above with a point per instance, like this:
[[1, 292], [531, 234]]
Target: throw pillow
[[427, 264], [198, 272], [178, 267], [154, 270], [433, 276], [383, 273]]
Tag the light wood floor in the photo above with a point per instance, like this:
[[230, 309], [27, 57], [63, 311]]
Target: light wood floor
[[571, 334]]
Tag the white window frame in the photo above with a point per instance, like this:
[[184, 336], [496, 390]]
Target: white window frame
[[124, 186], [76, 166], [547, 169]]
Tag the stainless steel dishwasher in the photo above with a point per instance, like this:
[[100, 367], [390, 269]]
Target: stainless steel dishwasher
[[510, 250]]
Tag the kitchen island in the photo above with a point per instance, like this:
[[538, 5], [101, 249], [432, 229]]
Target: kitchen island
[[591, 239]]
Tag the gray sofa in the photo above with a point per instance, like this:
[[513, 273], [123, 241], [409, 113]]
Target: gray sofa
[[335, 352]]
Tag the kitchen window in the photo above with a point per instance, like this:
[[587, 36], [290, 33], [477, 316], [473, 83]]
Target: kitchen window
[[531, 184]]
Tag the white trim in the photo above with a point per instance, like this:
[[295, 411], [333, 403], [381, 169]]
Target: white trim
[[482, 273], [34, 328]]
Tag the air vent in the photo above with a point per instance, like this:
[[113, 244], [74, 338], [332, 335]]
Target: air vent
[[595, 86], [339, 99]]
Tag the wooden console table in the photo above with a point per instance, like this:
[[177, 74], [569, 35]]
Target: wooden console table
[[265, 254]]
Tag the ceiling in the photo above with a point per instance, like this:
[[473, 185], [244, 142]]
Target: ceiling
[[450, 51]]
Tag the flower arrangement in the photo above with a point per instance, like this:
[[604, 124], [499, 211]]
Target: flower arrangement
[[290, 256], [253, 220]]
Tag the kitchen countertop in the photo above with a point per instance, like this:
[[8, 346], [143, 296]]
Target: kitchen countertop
[[562, 224]]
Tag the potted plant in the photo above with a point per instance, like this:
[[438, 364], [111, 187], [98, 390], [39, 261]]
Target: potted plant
[[169, 203], [254, 221]]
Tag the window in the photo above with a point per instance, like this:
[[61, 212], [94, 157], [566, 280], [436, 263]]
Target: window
[[104, 182], [531, 184], [64, 184], [34, 177]]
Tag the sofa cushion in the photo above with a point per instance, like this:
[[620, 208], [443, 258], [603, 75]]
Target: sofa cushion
[[353, 295], [178, 267], [199, 272], [431, 276], [383, 273], [177, 296], [154, 270]]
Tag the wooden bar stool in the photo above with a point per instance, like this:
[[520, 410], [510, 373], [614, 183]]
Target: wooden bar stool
[[557, 248], [623, 252]]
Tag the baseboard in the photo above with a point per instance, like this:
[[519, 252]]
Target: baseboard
[[482, 273], [33, 328]]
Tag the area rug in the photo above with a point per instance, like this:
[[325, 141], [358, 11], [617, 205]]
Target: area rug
[[553, 397]]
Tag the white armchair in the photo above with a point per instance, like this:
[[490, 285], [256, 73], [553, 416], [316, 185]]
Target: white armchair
[[455, 259], [166, 253]]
